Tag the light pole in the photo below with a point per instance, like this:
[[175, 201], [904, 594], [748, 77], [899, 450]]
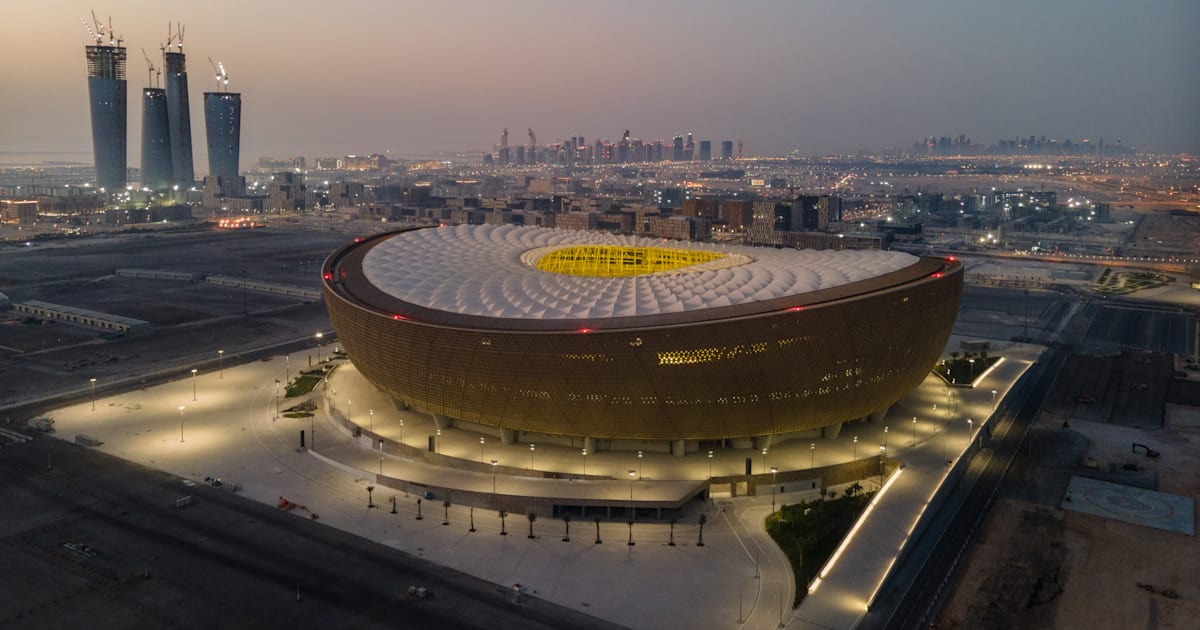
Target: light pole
[[402, 430], [481, 441], [710, 458], [885, 432], [532, 448], [631, 508], [970, 430], [764, 452], [181, 423], [494, 462], [856, 448], [914, 430], [319, 335], [972, 362], [287, 369], [639, 464], [194, 384], [993, 400], [371, 426], [812, 455], [348, 406], [882, 457], [437, 441], [584, 451], [774, 470], [221, 363], [381, 465], [93, 381]]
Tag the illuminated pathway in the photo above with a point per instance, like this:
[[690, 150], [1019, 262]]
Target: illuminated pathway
[[228, 431]]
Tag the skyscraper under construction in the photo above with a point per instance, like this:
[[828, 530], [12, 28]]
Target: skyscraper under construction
[[179, 119], [106, 96], [223, 127], [156, 140]]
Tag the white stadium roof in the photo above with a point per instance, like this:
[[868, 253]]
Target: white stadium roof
[[487, 270]]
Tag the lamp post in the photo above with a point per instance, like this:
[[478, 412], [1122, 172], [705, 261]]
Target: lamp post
[[885, 432], [639, 464], [972, 362], [970, 430], [812, 455], [481, 441], [994, 400], [371, 426], [914, 430], [710, 458], [631, 508], [764, 453], [194, 384], [532, 448], [221, 363], [774, 470], [402, 430], [287, 369], [181, 423], [494, 462], [349, 403], [381, 465], [584, 451], [319, 335], [437, 441], [93, 382], [882, 458], [856, 447]]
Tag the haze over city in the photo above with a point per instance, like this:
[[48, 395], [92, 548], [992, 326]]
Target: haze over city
[[409, 79]]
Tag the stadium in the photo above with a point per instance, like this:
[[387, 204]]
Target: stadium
[[543, 332]]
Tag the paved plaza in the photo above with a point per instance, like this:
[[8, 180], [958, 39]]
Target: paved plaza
[[1170, 512], [222, 424]]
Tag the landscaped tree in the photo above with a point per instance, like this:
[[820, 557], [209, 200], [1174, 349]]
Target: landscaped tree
[[703, 520], [597, 519], [532, 516], [671, 521], [446, 512], [502, 515], [566, 518]]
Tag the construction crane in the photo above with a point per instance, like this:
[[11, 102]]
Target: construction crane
[[150, 75], [222, 76], [97, 33]]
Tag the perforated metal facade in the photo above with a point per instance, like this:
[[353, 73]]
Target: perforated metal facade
[[777, 366]]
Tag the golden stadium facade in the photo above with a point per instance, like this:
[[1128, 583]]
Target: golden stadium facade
[[595, 335]]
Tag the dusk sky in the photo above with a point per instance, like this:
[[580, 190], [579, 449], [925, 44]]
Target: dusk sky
[[336, 78]]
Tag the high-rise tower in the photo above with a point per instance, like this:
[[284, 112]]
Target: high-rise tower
[[156, 140], [179, 118], [223, 127], [106, 96]]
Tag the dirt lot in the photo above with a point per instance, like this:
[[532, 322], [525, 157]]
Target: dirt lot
[[1038, 566]]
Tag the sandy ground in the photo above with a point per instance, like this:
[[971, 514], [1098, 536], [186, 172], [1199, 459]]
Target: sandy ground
[[1037, 566]]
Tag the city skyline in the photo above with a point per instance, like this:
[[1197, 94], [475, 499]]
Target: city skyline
[[408, 80]]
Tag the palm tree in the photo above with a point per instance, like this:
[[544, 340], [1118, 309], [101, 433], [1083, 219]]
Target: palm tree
[[630, 522], [703, 520], [672, 521], [567, 524], [502, 515], [597, 519], [532, 516], [446, 512]]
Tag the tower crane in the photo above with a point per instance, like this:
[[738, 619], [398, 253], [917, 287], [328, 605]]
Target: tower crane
[[222, 76], [150, 75]]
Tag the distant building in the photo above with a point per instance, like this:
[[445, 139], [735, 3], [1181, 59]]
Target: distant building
[[727, 149], [23, 212], [179, 118], [705, 150], [287, 192], [223, 127], [106, 97], [157, 172]]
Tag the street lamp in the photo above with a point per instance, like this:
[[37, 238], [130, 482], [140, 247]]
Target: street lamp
[[371, 426], [914, 430], [972, 362], [710, 457], [774, 470], [319, 335], [93, 381], [494, 462], [970, 430], [764, 452], [221, 363], [856, 447], [481, 440], [584, 462], [181, 423], [349, 403], [882, 457], [532, 448], [402, 430], [287, 369], [193, 384], [437, 441], [885, 432], [812, 455], [639, 464], [993, 400]]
